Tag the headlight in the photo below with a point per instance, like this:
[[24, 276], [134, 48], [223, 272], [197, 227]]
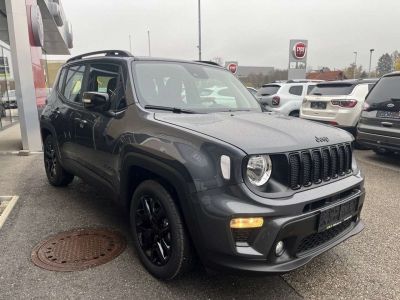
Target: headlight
[[259, 169]]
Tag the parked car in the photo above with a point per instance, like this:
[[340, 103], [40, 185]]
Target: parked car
[[9, 100], [242, 188], [337, 103], [285, 97], [379, 126], [252, 90]]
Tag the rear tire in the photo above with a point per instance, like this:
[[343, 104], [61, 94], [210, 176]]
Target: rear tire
[[295, 114], [56, 174], [158, 231]]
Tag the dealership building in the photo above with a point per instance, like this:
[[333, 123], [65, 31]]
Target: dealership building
[[29, 31]]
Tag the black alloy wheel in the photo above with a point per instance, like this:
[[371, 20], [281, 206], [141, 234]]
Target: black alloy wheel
[[56, 174], [153, 230], [159, 234]]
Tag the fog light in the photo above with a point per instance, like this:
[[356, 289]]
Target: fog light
[[247, 222], [279, 248]]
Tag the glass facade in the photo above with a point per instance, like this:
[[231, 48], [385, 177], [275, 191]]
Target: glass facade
[[8, 100]]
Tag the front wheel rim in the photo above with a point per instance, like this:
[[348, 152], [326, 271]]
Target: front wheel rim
[[153, 230], [50, 160]]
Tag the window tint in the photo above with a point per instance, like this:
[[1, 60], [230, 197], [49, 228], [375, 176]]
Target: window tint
[[386, 90], [107, 78], [73, 84], [61, 79], [296, 90], [310, 88], [268, 90], [333, 89], [370, 86]]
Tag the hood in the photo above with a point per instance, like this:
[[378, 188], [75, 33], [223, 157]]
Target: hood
[[256, 132]]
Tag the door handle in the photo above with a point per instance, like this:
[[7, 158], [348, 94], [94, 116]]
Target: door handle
[[387, 124], [81, 122]]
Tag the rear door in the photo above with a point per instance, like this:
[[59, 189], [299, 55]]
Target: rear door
[[319, 103], [266, 93], [382, 108]]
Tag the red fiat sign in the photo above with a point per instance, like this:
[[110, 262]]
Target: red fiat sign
[[232, 67], [299, 50]]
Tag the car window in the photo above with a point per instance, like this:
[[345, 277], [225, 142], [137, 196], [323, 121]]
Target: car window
[[333, 89], [61, 79], [370, 86], [73, 84], [107, 78], [310, 88], [386, 90], [187, 86], [268, 90], [296, 90]]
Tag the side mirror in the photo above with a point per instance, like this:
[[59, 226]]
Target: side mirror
[[96, 101]]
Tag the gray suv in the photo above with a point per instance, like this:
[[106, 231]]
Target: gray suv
[[379, 126], [241, 188]]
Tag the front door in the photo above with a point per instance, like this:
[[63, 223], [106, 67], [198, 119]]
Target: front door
[[92, 135]]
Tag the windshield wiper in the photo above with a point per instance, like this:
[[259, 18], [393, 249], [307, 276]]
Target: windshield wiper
[[317, 94], [395, 99], [175, 110]]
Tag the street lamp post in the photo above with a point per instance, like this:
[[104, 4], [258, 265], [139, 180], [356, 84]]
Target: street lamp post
[[199, 46], [148, 40], [370, 59], [355, 64]]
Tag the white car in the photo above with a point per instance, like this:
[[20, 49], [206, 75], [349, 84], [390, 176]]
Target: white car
[[218, 95], [285, 97], [337, 103]]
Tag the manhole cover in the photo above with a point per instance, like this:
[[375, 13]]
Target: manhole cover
[[78, 249]]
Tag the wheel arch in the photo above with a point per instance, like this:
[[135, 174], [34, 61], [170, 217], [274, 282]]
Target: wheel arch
[[176, 179]]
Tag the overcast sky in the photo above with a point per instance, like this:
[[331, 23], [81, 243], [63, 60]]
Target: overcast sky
[[253, 32]]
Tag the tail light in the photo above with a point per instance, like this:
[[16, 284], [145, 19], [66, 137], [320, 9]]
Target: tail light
[[344, 103], [276, 100], [366, 106]]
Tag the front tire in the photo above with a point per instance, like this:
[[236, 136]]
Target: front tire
[[56, 174], [159, 234]]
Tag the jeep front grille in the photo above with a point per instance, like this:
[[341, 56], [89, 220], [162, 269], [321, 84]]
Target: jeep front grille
[[317, 165]]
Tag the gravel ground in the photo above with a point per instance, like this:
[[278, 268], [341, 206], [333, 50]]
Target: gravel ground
[[366, 266]]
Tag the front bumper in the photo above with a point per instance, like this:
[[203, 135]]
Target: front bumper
[[285, 220]]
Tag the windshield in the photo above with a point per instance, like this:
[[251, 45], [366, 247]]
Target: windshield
[[387, 90], [191, 87], [333, 89], [268, 90]]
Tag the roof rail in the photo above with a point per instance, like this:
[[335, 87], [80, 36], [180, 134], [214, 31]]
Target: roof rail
[[208, 62], [120, 53]]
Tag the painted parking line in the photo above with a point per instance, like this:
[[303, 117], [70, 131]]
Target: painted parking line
[[7, 203]]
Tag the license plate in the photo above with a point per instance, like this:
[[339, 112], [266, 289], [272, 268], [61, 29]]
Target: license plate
[[388, 114], [318, 105], [337, 214]]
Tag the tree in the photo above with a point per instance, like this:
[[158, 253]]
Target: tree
[[397, 64], [351, 72], [385, 64]]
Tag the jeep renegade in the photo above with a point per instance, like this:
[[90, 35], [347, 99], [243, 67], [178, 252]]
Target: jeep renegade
[[241, 188]]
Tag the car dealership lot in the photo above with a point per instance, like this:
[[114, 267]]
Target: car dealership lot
[[365, 266]]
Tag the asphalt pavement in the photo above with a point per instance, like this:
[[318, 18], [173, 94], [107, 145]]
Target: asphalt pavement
[[366, 266]]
